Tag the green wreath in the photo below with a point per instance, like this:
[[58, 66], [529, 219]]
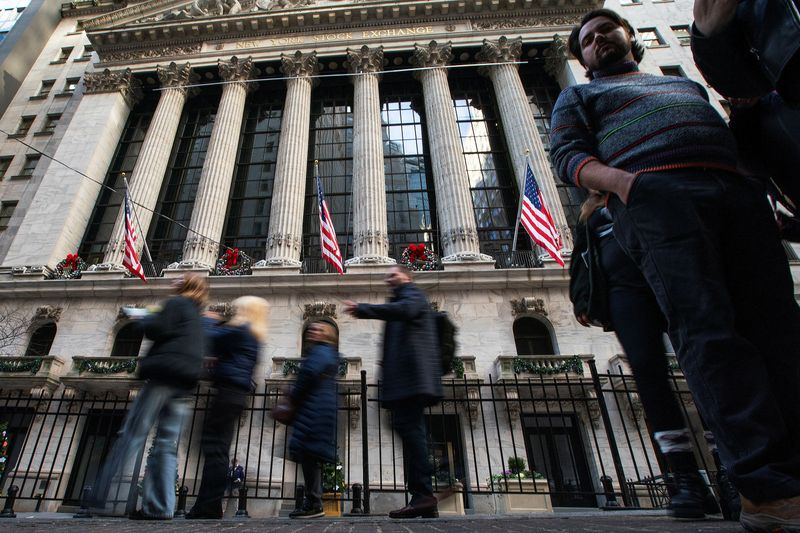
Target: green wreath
[[233, 263], [418, 258], [70, 267]]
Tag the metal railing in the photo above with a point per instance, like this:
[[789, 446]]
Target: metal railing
[[582, 436], [517, 259]]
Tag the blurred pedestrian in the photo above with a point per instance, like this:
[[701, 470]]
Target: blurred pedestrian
[[235, 345], [314, 396], [632, 312], [705, 239], [171, 370], [412, 379]]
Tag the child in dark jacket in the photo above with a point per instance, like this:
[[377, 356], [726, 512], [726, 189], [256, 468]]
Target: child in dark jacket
[[235, 346], [314, 439]]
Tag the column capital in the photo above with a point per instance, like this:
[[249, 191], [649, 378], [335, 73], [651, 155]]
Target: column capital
[[175, 76], [365, 60], [555, 56], [109, 81], [432, 55], [235, 69], [503, 50], [299, 65]]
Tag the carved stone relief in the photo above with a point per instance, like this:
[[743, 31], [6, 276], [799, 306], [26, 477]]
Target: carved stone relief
[[504, 50], [48, 312], [319, 310], [555, 59], [176, 76], [299, 64], [526, 22], [109, 81], [528, 305], [365, 60], [167, 51], [235, 69], [432, 55]]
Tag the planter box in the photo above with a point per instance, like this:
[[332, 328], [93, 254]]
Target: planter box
[[525, 496], [332, 504], [451, 500]]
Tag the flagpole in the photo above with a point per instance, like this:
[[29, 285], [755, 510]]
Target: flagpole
[[519, 209], [130, 198]]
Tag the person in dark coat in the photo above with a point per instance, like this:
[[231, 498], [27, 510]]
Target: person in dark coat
[[314, 393], [412, 379], [235, 346], [171, 369]]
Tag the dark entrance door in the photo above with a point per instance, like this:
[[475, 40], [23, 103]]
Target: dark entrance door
[[14, 426], [555, 449], [99, 435]]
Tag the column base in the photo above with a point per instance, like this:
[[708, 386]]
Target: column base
[[279, 262], [468, 257], [377, 260], [176, 270], [274, 270], [29, 272], [105, 271]]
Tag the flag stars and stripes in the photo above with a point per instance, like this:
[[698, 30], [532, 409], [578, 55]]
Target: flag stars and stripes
[[327, 234], [536, 219]]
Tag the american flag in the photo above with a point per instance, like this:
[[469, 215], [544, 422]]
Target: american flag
[[536, 218], [327, 235], [131, 258]]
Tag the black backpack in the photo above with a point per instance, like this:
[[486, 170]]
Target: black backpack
[[446, 335]]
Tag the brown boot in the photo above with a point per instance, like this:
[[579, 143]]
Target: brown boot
[[768, 517]]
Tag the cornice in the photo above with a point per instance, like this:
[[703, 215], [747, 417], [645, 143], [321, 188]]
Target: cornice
[[314, 284], [131, 42]]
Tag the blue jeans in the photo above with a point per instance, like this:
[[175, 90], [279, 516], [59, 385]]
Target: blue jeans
[[158, 404], [708, 245]]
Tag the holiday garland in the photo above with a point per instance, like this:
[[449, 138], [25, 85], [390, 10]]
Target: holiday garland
[[573, 364], [3, 445], [104, 367], [418, 258], [28, 365], [457, 367], [70, 267], [293, 367], [233, 263]]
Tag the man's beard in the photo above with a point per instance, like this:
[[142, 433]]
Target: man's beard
[[614, 56]]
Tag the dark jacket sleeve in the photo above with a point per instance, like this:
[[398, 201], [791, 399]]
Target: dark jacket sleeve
[[410, 306], [727, 64], [160, 325], [572, 141]]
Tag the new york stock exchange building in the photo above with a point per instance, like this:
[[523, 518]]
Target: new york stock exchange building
[[422, 116]]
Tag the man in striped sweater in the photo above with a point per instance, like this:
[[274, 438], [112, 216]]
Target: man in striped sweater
[[707, 243]]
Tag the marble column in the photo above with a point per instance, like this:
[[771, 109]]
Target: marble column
[[370, 232], [151, 165], [288, 196], [457, 226], [519, 125], [57, 217], [201, 248]]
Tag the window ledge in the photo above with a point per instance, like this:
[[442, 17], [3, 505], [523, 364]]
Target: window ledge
[[58, 62], [17, 135], [42, 133], [82, 59], [64, 94], [39, 97], [21, 177], [658, 46]]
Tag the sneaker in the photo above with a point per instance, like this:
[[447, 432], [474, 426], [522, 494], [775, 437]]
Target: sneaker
[[307, 512], [689, 500], [777, 516]]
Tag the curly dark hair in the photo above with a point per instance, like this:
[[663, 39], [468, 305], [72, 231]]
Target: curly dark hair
[[574, 45]]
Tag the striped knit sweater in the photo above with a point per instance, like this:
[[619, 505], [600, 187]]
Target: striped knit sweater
[[638, 122]]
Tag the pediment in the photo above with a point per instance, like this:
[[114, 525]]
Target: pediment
[[161, 28]]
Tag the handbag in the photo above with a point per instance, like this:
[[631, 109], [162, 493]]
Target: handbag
[[587, 289], [284, 410]]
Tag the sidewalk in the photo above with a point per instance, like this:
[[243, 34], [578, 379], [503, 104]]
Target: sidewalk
[[583, 522]]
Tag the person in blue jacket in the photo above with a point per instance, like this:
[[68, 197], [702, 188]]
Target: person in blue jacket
[[235, 345], [314, 393]]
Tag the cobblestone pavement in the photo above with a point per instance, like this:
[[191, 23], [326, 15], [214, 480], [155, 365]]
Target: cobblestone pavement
[[628, 522]]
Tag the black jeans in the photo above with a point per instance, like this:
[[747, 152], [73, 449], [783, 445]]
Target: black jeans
[[312, 476], [707, 243], [218, 429], [640, 326], [408, 421]]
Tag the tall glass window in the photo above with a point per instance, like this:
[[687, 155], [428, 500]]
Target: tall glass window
[[98, 232], [174, 209], [410, 206], [494, 193], [331, 143], [249, 203], [542, 91]]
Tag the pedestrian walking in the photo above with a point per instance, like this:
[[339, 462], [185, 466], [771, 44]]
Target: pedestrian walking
[[411, 381], [633, 314], [235, 345], [314, 397], [236, 477], [171, 370], [705, 239]]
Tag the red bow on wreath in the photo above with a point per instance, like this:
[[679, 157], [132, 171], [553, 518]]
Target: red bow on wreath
[[231, 257], [416, 252], [71, 261]]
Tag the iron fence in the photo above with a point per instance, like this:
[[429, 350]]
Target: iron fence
[[581, 435]]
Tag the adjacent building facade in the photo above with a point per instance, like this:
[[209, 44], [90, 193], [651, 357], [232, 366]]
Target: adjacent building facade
[[418, 117]]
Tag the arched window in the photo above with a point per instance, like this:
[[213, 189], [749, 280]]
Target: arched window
[[532, 337], [41, 340], [128, 341]]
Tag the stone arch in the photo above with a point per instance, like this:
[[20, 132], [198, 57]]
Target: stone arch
[[533, 335], [42, 337], [128, 340]]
